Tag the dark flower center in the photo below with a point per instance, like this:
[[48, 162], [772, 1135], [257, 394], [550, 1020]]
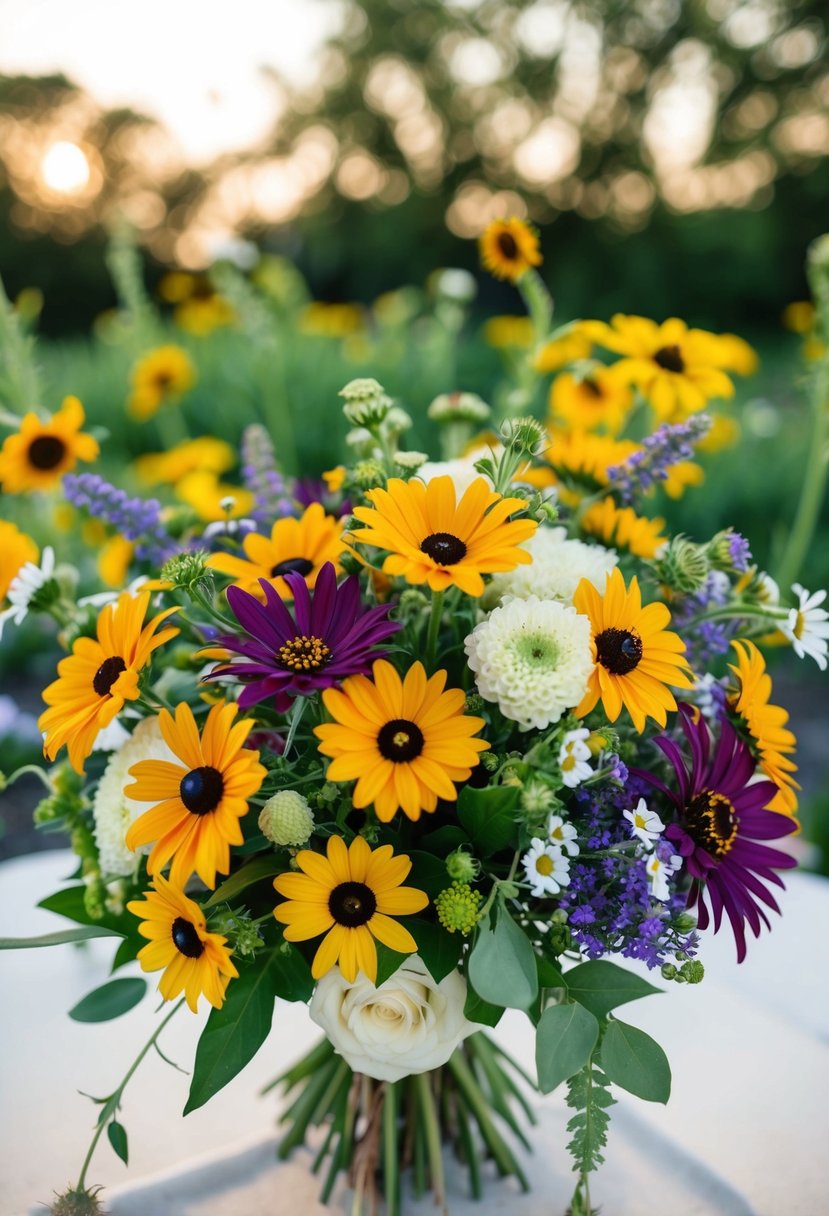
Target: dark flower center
[[304, 653], [444, 548], [163, 379], [711, 822], [46, 452], [592, 388], [618, 650], [352, 904], [670, 357], [292, 565], [508, 245], [107, 674], [185, 938], [201, 789], [400, 740]]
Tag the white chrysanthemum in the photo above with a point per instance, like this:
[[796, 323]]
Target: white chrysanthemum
[[807, 626], [462, 471], [563, 835], [546, 867], [112, 810], [574, 756], [533, 658], [658, 874], [25, 586], [645, 824], [557, 568]]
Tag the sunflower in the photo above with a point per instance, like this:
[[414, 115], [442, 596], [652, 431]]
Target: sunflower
[[621, 526], [509, 248], [159, 376], [301, 546], [578, 456], [765, 723], [351, 896], [195, 961], [99, 675], [676, 368], [209, 497], [198, 804], [597, 399], [16, 549], [406, 741], [636, 658], [434, 539], [206, 455], [679, 476], [558, 352], [38, 455]]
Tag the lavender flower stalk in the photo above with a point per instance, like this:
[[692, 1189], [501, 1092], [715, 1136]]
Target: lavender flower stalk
[[262, 477], [668, 445], [138, 519]]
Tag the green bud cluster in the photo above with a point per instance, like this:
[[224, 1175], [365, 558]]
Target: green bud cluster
[[683, 566], [366, 403], [458, 908], [187, 570], [459, 407], [369, 473], [286, 819], [525, 435], [408, 463], [560, 939], [691, 972]]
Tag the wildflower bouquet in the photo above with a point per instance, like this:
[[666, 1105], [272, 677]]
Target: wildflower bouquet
[[433, 741]]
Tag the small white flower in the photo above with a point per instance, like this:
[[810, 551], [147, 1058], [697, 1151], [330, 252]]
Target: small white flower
[[533, 658], [112, 810], [562, 835], [658, 874], [25, 585], [228, 527], [767, 590], [101, 598], [807, 626], [573, 757], [557, 568], [646, 825], [546, 867], [462, 471], [709, 696]]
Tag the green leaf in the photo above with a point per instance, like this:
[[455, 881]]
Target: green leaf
[[292, 976], [428, 873], [502, 967], [109, 1001], [81, 934], [549, 975], [117, 1134], [477, 1009], [635, 1061], [253, 871], [70, 903], [444, 840], [388, 961], [566, 1036], [601, 986], [439, 950], [488, 816], [234, 1033]]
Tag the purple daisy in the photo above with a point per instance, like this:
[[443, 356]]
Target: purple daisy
[[722, 818], [329, 636]]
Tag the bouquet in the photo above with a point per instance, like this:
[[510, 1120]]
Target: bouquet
[[424, 741]]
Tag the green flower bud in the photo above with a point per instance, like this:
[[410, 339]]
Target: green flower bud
[[187, 571], [412, 603], [722, 549], [683, 565], [693, 971], [490, 761], [366, 403], [77, 1203], [410, 462], [474, 703], [669, 971], [94, 896], [286, 819], [537, 797], [525, 435], [560, 939], [685, 922], [459, 407], [369, 473], [462, 867], [458, 908], [559, 917]]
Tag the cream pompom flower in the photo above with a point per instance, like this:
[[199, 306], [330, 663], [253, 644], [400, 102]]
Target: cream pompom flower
[[558, 566]]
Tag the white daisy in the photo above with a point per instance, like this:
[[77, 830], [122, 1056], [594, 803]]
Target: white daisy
[[557, 568], [112, 810], [25, 586], [101, 598], [645, 824], [462, 471], [533, 658], [562, 835], [658, 874], [767, 591], [546, 867], [573, 757], [807, 626]]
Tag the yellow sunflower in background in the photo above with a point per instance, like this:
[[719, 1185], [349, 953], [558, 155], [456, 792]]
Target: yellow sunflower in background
[[681, 476], [295, 546], [37, 456], [16, 548], [622, 527], [405, 741], [195, 961], [509, 248], [678, 369], [162, 375], [735, 354], [597, 399], [766, 724], [210, 497], [580, 460], [114, 561], [434, 539], [198, 803], [509, 332], [351, 896], [100, 675], [723, 433], [205, 454], [636, 657], [558, 352]]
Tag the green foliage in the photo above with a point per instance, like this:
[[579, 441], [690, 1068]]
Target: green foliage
[[117, 1136], [477, 1009], [110, 1000], [438, 949], [588, 1094], [564, 1042], [502, 967], [601, 986], [489, 817], [257, 869], [61, 937], [633, 1059]]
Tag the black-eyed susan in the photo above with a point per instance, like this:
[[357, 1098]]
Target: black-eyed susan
[[588, 402], [162, 375], [214, 500], [37, 455], [576, 455], [351, 896], [509, 248], [16, 549], [295, 546], [558, 352], [623, 528], [636, 656], [198, 803], [195, 961], [432, 538], [406, 741], [100, 675], [114, 560], [205, 454], [766, 724]]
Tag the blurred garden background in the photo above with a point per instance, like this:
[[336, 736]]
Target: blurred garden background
[[313, 175]]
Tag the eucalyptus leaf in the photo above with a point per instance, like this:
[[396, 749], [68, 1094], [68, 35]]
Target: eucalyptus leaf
[[81, 933], [439, 949], [117, 1134], [601, 986], [565, 1038], [253, 871], [489, 816], [109, 1001], [502, 966], [477, 1009], [636, 1062]]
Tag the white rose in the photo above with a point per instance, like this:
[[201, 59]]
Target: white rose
[[409, 1024]]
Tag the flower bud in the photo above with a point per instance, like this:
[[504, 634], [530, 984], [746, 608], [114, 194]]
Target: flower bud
[[668, 971], [462, 867], [366, 403], [410, 462], [186, 570], [685, 922], [77, 1203], [368, 474], [525, 435], [536, 798], [693, 971], [459, 407], [286, 819], [683, 565], [458, 908], [728, 551]]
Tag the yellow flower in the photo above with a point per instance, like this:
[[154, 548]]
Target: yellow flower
[[766, 724], [723, 433], [676, 368], [334, 478], [198, 803], [100, 675], [682, 475], [195, 961], [509, 248], [433, 539], [37, 456], [163, 374], [16, 548], [176, 285], [350, 895], [405, 741], [622, 527], [735, 354], [597, 399], [300, 546], [205, 454], [581, 457], [205, 494], [114, 561], [799, 317], [558, 352], [503, 333], [201, 314], [636, 657], [330, 320]]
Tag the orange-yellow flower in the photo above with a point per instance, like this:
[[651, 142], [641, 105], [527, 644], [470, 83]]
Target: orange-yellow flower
[[39, 453]]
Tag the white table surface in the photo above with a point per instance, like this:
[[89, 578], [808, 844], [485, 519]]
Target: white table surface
[[743, 1135]]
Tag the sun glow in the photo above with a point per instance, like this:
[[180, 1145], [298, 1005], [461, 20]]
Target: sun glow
[[65, 168]]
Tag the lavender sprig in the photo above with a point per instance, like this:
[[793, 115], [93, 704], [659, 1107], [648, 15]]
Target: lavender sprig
[[138, 519], [668, 445], [263, 478]]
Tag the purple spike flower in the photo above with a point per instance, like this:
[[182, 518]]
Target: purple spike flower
[[722, 818], [329, 636]]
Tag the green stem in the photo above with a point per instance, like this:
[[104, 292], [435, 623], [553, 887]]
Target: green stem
[[432, 1129], [814, 482], [391, 1174], [19, 371], [32, 769], [434, 629]]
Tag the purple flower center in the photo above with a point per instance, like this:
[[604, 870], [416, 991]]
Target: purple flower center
[[618, 650], [107, 674], [711, 822], [201, 789], [444, 548], [304, 653], [670, 358], [185, 938], [46, 452], [400, 740], [352, 904]]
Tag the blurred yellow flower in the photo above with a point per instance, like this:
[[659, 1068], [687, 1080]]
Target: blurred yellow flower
[[558, 352], [161, 375], [585, 457], [622, 527], [167, 468], [724, 433], [330, 320], [37, 455], [334, 478], [205, 494], [16, 548], [597, 399], [735, 354], [681, 476], [114, 561], [509, 248], [199, 309], [504, 333], [176, 285], [799, 317]]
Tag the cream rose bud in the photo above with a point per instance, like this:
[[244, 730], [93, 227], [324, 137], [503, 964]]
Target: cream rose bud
[[410, 1024]]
